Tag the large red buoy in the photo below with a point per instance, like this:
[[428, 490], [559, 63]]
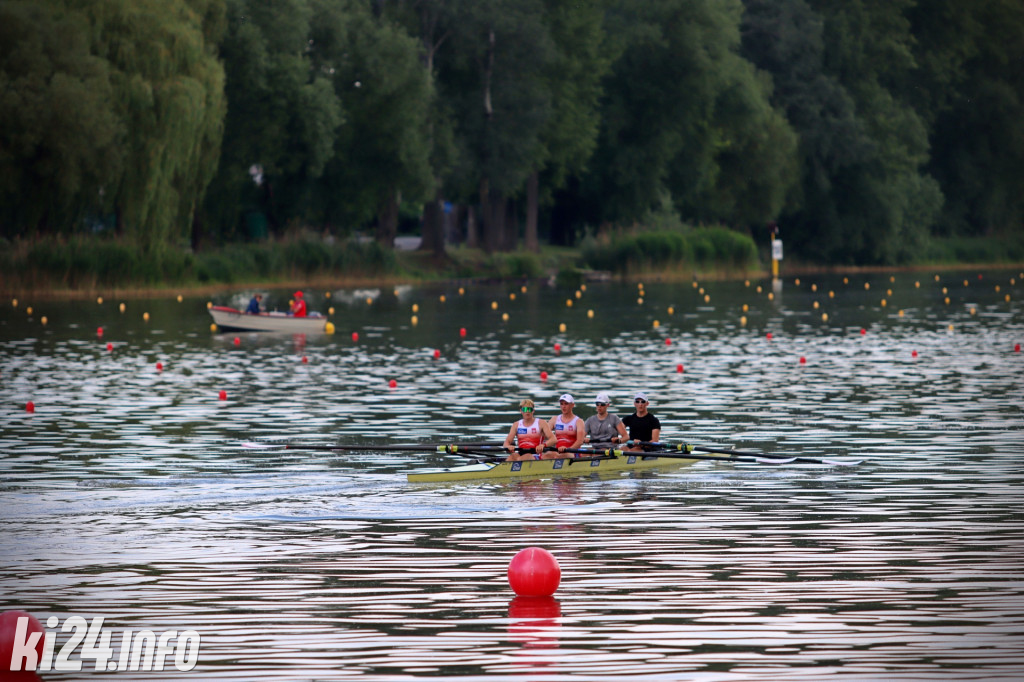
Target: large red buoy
[[8, 637], [534, 572]]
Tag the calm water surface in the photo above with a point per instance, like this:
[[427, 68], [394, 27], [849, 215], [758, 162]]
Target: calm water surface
[[131, 493]]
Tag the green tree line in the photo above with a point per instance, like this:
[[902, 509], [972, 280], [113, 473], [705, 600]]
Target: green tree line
[[862, 127]]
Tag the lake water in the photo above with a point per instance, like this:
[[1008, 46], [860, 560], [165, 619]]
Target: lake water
[[133, 493]]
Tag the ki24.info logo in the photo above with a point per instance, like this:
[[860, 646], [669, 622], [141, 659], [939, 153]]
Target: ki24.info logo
[[89, 646]]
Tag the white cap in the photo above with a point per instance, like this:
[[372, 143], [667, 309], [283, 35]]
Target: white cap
[[640, 395], [602, 398], [567, 398]]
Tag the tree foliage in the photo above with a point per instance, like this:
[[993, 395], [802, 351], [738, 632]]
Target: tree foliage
[[862, 127]]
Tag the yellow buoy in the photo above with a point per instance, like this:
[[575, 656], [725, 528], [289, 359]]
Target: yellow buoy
[[695, 285], [121, 307], [701, 291], [883, 303], [209, 304], [415, 320], [746, 307], [145, 317], [671, 310], [771, 296], [330, 311], [814, 287], [327, 294], [846, 280], [815, 305], [888, 292], [14, 303], [461, 291], [944, 291], [639, 285], [568, 303], [997, 288], [950, 327], [561, 327], [743, 320], [640, 301], [99, 300], [494, 305], [824, 317], [504, 317], [901, 313], [973, 310], [180, 298], [936, 278], [746, 282], [892, 278], [415, 307], [43, 320], [28, 310], [522, 289], [512, 296], [657, 324], [1007, 298], [831, 294], [707, 298], [867, 285], [396, 293], [796, 281], [579, 294], [583, 287], [947, 300], [369, 300], [329, 327], [758, 288], [213, 326], [442, 298], [966, 283], [590, 314]]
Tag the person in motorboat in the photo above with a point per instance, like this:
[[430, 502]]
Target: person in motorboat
[[528, 434], [254, 304], [567, 427], [642, 425], [298, 307], [604, 430]]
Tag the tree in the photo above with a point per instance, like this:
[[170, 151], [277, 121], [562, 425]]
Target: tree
[[60, 141]]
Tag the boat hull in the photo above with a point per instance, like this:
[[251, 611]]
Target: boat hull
[[546, 468], [230, 319]]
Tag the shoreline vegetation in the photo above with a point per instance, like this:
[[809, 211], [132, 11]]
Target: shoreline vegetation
[[84, 266]]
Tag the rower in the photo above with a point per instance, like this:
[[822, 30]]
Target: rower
[[642, 425], [529, 435], [568, 429], [603, 430]]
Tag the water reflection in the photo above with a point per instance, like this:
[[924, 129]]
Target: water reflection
[[128, 493]]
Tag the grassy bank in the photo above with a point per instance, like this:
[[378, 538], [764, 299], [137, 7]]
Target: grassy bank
[[81, 266]]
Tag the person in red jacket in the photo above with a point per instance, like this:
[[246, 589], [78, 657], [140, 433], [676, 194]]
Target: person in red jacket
[[298, 308]]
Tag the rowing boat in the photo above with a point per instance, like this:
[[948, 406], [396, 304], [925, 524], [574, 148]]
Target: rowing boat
[[546, 468], [232, 319]]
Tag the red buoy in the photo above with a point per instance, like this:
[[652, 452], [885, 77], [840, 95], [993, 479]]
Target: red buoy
[[305, 359], [437, 353], [237, 341], [803, 360], [110, 346], [393, 384], [462, 332], [355, 336], [863, 331], [1016, 348], [668, 342], [558, 348], [8, 638], [159, 366], [223, 395], [29, 407], [534, 572], [679, 369], [99, 331], [543, 376], [913, 354], [768, 336]]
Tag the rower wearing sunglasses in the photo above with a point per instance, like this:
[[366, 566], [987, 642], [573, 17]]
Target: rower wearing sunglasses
[[603, 429], [642, 425], [528, 436]]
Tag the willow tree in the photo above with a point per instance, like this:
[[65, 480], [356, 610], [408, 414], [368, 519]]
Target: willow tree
[[59, 141], [168, 93]]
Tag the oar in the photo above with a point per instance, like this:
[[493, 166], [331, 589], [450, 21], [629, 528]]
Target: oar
[[369, 447], [759, 456]]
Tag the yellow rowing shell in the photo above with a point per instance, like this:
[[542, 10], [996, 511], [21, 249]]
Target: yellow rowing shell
[[546, 468]]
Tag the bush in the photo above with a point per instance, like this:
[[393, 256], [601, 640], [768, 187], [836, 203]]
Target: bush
[[706, 246]]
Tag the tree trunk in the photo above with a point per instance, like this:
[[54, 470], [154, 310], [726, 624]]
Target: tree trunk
[[433, 227], [531, 238], [486, 217], [494, 238], [472, 233], [387, 220], [511, 238]]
